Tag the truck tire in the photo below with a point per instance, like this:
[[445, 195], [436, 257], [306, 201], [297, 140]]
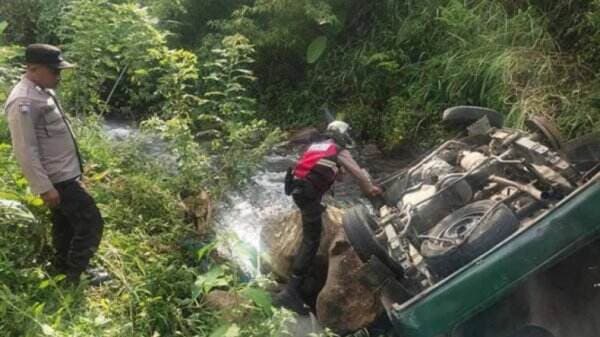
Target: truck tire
[[394, 193], [547, 130], [532, 331], [358, 225], [584, 151], [474, 236], [467, 114]]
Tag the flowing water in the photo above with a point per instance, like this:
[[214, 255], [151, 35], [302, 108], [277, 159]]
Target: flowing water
[[262, 200], [241, 215], [243, 212]]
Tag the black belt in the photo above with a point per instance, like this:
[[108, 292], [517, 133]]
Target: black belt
[[66, 182]]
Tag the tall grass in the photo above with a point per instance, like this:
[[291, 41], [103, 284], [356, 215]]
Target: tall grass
[[162, 268], [398, 64]]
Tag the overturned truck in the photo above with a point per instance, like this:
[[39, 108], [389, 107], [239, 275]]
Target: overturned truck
[[492, 233]]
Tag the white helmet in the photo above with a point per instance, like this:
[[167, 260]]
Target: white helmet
[[338, 126], [339, 132]]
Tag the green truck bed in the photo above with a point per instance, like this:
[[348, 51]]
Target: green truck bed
[[438, 310]]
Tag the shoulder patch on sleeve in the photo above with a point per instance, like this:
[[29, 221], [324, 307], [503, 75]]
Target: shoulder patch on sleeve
[[24, 107]]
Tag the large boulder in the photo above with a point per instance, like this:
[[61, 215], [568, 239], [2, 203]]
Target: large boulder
[[335, 288], [281, 240], [345, 303]]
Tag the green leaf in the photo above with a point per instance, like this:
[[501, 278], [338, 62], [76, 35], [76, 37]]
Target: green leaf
[[44, 284], [214, 278], [3, 26], [38, 309], [316, 49], [9, 196], [34, 201], [196, 290], [202, 252], [48, 330], [260, 297], [100, 320], [21, 182], [214, 93], [228, 330], [220, 331]]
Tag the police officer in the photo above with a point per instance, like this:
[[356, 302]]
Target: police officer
[[314, 174], [47, 153]]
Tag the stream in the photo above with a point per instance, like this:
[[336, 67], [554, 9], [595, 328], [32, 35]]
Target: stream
[[262, 200], [241, 215], [243, 212]]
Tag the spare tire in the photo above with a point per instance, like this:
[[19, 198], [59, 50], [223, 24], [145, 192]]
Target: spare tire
[[359, 225], [467, 114], [473, 235]]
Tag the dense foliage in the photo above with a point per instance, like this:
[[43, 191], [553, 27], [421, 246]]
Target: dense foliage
[[391, 67], [162, 267], [213, 80], [162, 264]]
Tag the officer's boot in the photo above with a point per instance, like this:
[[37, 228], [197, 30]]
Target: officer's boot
[[97, 276], [290, 297]]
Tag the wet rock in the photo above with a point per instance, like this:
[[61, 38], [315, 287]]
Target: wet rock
[[207, 135], [342, 301], [281, 239], [119, 134], [279, 163], [345, 303], [370, 152], [302, 326], [304, 136]]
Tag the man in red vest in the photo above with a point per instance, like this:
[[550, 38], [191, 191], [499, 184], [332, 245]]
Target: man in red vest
[[314, 174]]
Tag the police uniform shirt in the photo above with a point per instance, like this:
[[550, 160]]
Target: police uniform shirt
[[41, 137]]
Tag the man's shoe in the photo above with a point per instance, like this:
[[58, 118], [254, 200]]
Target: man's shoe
[[97, 276]]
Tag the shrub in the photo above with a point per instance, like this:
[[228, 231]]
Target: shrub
[[125, 66]]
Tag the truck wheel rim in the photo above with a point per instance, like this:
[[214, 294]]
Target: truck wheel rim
[[461, 230]]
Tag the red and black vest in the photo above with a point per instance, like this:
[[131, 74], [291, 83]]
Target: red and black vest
[[319, 165]]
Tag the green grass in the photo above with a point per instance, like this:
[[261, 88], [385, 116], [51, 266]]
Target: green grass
[[410, 60], [162, 268]]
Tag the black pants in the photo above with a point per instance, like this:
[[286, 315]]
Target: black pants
[[77, 228], [308, 199]]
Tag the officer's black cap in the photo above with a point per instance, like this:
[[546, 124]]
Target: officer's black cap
[[47, 55]]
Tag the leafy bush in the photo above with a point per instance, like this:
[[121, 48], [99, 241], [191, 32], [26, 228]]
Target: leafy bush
[[10, 69], [16, 223], [21, 16], [393, 67], [226, 95], [238, 139], [9, 74], [125, 66]]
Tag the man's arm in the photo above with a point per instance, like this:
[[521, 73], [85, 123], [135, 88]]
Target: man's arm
[[345, 159], [25, 146]]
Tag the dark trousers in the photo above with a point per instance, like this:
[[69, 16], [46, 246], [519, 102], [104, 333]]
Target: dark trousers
[[77, 228], [308, 200]]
